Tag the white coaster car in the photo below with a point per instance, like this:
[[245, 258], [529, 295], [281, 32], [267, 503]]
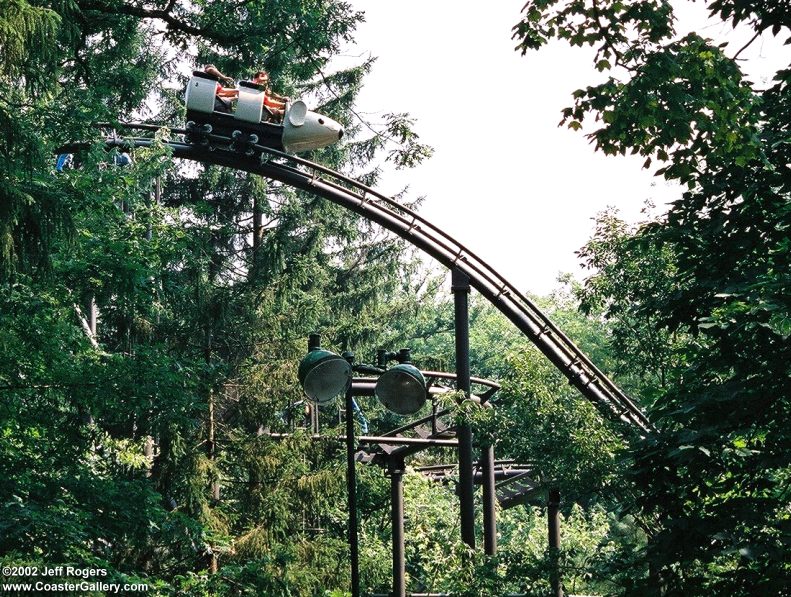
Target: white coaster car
[[301, 130]]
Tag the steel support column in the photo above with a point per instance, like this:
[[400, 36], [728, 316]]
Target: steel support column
[[351, 486], [489, 502], [461, 292], [395, 469]]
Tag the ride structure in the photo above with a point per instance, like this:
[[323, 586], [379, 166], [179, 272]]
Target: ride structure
[[314, 178], [227, 140]]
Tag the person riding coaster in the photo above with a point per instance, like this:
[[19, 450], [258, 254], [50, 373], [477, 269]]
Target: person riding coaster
[[275, 121], [274, 103]]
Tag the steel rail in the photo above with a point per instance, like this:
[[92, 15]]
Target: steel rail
[[492, 385], [388, 213], [565, 355], [379, 439], [482, 268], [485, 273]]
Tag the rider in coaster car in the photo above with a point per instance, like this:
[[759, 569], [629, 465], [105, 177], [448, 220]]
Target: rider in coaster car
[[221, 104], [274, 102]]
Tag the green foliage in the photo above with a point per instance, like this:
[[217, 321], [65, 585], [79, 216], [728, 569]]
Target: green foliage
[[138, 447], [716, 304], [410, 152], [629, 273], [27, 34], [546, 423]]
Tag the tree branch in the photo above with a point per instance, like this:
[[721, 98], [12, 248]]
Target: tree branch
[[85, 327], [747, 45], [163, 15]]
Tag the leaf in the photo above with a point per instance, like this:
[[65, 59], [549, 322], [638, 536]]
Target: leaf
[[780, 324], [603, 65]]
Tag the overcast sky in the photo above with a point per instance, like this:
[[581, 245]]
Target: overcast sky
[[504, 179]]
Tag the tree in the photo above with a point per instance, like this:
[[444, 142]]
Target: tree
[[716, 476], [132, 447], [626, 273]]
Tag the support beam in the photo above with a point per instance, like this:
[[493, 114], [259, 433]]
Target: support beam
[[461, 292], [351, 486], [380, 439], [395, 470], [489, 502]]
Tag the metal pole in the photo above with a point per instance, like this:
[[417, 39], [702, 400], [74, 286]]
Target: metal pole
[[489, 500], [395, 468], [461, 290], [314, 418], [351, 485], [553, 525]]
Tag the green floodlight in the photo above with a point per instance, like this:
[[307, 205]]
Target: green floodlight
[[401, 389], [323, 374]]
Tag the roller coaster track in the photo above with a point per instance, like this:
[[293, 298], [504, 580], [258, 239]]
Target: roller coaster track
[[409, 225]]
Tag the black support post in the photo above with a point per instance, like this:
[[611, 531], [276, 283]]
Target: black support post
[[351, 485], [489, 502], [395, 469], [461, 292]]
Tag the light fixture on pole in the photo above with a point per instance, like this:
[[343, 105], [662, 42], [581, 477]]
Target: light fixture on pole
[[323, 374], [402, 388]]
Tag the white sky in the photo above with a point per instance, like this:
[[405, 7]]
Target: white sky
[[504, 179]]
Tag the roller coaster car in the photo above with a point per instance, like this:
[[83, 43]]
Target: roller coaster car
[[250, 123]]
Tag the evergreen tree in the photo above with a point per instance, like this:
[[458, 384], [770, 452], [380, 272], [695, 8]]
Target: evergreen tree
[[135, 445]]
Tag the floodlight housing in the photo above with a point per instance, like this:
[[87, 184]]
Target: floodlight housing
[[401, 389], [324, 375]]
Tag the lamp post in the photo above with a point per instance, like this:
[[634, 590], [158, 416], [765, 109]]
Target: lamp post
[[351, 484], [395, 470], [323, 376], [401, 389]]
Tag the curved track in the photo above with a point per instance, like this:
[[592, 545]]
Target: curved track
[[374, 206]]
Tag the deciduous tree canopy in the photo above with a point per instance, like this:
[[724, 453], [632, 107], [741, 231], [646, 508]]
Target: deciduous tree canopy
[[716, 476]]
